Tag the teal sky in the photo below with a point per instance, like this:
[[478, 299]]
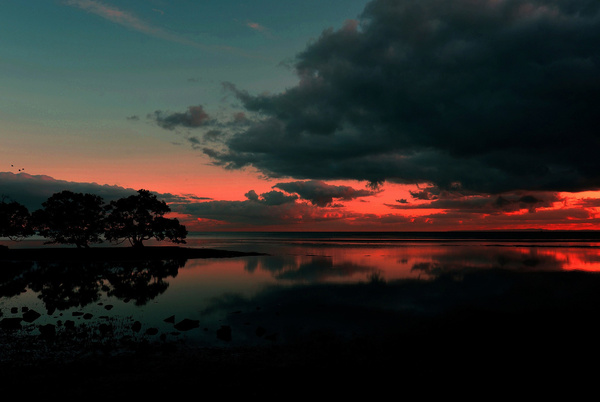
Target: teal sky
[[81, 61], [73, 71]]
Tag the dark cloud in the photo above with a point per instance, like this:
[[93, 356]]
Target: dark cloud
[[271, 197], [423, 195], [322, 194], [193, 141], [33, 190], [240, 118], [263, 211], [482, 204], [212, 135], [490, 96], [195, 116]]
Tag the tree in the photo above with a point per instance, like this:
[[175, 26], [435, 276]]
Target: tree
[[14, 221], [141, 217], [71, 218]]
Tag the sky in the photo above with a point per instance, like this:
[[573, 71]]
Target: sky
[[382, 115]]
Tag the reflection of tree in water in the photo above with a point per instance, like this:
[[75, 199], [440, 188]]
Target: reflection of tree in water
[[141, 281], [65, 284], [12, 278]]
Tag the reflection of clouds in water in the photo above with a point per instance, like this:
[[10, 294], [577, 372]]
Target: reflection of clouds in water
[[318, 269], [290, 312], [297, 310], [477, 258], [306, 268], [421, 261], [272, 264]]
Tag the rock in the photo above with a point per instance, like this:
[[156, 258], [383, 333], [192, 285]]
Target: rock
[[14, 310], [224, 333], [187, 324], [87, 316], [109, 306], [31, 316], [136, 326], [170, 319], [70, 324]]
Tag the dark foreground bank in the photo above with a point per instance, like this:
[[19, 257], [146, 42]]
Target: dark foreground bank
[[458, 355]]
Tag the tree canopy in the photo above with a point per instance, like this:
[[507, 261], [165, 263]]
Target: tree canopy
[[82, 218], [14, 221], [71, 218], [140, 217]]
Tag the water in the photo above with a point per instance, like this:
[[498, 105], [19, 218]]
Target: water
[[308, 281]]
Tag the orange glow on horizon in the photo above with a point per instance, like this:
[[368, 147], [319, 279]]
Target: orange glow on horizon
[[393, 207]]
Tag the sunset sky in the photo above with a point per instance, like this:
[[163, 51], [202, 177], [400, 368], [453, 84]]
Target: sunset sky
[[385, 115]]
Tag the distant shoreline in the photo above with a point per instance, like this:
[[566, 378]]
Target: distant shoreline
[[117, 253], [525, 234]]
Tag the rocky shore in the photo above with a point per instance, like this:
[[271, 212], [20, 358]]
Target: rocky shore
[[461, 353]]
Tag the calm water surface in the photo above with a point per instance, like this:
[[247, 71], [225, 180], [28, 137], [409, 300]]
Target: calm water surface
[[265, 298]]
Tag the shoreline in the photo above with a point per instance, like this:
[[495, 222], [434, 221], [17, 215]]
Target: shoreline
[[117, 253]]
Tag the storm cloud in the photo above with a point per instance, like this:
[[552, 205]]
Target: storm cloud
[[323, 194], [484, 95], [481, 204]]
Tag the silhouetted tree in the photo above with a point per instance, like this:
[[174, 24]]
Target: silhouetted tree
[[71, 218], [141, 217], [14, 221]]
